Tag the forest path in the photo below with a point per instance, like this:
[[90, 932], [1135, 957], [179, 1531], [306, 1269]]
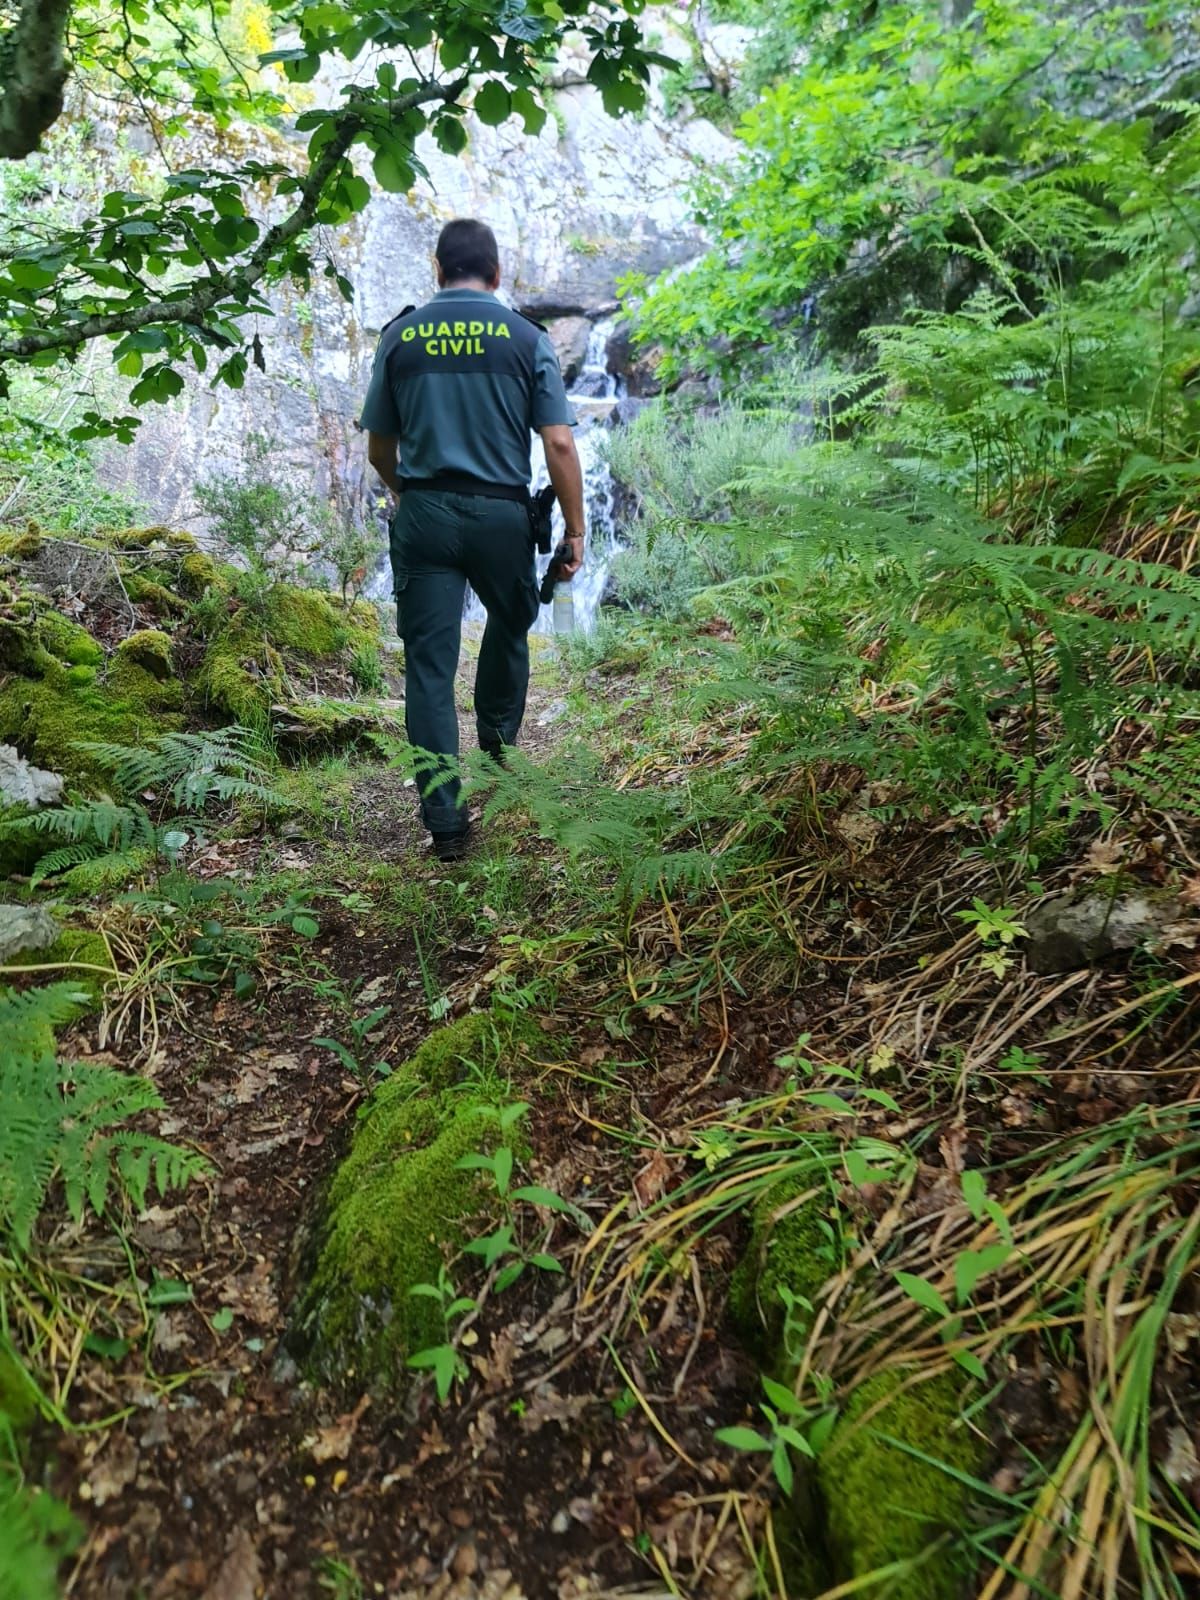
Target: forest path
[[547, 1476]]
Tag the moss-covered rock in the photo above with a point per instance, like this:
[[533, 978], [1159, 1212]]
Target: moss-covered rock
[[150, 649], [886, 1497], [145, 590], [67, 641], [22, 546], [871, 1500], [198, 573], [48, 716], [394, 1213], [305, 620], [240, 676], [106, 874], [790, 1248]]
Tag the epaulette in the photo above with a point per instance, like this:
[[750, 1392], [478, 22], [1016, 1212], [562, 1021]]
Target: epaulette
[[534, 320], [396, 318]]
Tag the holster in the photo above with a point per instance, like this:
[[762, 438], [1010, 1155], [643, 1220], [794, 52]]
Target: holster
[[541, 517]]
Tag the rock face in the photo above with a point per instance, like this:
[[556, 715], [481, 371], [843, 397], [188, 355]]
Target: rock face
[[24, 785], [1076, 930], [25, 928], [574, 207]]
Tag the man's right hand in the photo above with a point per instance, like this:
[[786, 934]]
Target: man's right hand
[[574, 549]]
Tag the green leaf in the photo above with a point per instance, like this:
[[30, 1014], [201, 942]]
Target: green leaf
[[222, 1320], [169, 1292], [782, 1397], [970, 1362], [974, 1189], [781, 1465], [308, 927], [530, 111], [391, 173], [742, 1438], [508, 1275], [922, 1292], [493, 103], [972, 1265]]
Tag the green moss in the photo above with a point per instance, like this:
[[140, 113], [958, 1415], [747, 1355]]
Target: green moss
[[21, 546], [227, 682], [73, 958], [882, 1503], [395, 1211], [67, 641], [305, 620], [869, 1502], [18, 1396], [198, 573], [106, 874], [150, 649], [147, 591], [789, 1249], [47, 717]]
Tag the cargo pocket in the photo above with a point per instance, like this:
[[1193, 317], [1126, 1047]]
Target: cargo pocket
[[399, 561]]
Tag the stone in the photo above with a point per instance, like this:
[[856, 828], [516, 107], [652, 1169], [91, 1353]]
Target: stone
[[569, 336], [25, 928], [22, 784], [1078, 929]]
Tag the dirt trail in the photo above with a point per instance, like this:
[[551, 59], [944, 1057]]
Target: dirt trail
[[548, 1477]]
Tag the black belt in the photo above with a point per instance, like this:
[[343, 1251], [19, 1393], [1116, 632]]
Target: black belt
[[462, 483]]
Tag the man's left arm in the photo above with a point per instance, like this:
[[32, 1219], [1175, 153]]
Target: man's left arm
[[381, 453]]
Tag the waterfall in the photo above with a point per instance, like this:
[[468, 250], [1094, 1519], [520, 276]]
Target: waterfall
[[594, 395]]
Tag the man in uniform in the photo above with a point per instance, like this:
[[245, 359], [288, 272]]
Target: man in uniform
[[457, 388]]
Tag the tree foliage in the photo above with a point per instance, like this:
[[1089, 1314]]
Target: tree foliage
[[892, 143], [168, 267]]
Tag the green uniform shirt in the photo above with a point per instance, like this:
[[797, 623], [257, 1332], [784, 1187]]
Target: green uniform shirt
[[461, 382]]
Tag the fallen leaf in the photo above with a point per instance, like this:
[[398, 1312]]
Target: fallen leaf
[[333, 1443], [114, 1470], [241, 1572], [652, 1179]]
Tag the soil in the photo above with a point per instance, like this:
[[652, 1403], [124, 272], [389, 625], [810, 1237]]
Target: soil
[[552, 1474]]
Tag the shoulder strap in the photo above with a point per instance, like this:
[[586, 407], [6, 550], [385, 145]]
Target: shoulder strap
[[396, 318]]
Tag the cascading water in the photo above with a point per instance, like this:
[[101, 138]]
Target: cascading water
[[594, 395]]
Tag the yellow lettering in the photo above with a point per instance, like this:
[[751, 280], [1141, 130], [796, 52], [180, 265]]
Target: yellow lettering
[[431, 347], [426, 330], [443, 329], [502, 331], [455, 346], [478, 350], [460, 328], [476, 328], [408, 333]]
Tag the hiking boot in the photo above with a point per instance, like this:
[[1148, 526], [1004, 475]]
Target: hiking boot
[[452, 846], [496, 751]]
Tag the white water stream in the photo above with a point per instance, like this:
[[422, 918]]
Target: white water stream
[[594, 396]]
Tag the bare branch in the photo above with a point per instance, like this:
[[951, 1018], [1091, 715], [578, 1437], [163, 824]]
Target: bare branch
[[192, 305], [33, 71]]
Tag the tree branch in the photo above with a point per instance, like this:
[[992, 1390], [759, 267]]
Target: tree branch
[[33, 71], [202, 298]]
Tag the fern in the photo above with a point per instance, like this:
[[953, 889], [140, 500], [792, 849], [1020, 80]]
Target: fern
[[67, 1121], [36, 1533], [189, 769]]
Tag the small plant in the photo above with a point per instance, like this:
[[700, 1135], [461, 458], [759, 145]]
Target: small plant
[[504, 1240], [791, 1426], [443, 1360], [352, 1057], [998, 930]]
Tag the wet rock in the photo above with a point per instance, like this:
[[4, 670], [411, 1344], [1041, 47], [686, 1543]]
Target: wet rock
[[25, 929], [24, 785], [569, 336], [1076, 930], [638, 366]]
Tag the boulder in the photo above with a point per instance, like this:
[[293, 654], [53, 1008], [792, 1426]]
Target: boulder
[[569, 336], [24, 785], [1075, 930], [25, 928]]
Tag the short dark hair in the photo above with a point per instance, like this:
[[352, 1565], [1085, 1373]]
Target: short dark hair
[[467, 249]]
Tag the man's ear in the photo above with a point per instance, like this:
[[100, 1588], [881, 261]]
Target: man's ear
[[494, 281], [439, 272]]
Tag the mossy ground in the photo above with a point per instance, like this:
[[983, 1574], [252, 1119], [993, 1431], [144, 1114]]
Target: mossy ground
[[884, 1490], [396, 1207]]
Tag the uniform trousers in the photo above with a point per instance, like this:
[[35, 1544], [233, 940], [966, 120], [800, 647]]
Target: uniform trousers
[[440, 542]]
